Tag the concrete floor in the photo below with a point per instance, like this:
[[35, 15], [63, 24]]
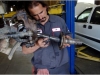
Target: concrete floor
[[21, 64], [84, 66]]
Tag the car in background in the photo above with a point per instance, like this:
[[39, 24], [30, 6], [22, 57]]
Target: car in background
[[87, 27]]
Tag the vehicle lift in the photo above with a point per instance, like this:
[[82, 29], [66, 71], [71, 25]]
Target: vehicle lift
[[84, 55], [70, 19]]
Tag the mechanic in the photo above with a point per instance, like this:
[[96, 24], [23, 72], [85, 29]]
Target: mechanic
[[48, 58]]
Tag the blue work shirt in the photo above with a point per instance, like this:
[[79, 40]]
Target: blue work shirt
[[51, 56]]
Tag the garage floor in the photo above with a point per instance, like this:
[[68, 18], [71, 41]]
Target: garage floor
[[84, 66], [21, 64]]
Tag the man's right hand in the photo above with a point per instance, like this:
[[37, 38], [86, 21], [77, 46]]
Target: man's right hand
[[41, 42], [42, 72]]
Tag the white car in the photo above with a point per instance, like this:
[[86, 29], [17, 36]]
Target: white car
[[87, 27]]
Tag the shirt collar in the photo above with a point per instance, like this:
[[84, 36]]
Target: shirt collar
[[52, 18]]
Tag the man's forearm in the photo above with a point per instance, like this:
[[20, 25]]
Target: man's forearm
[[30, 49]]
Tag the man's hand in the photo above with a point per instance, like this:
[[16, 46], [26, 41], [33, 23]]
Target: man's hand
[[66, 45], [42, 72], [41, 42]]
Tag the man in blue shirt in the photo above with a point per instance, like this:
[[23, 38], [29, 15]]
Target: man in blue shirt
[[48, 58]]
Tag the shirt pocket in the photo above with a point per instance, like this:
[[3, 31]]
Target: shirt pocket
[[57, 34], [56, 31]]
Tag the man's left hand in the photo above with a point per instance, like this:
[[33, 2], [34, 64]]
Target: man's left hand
[[66, 45]]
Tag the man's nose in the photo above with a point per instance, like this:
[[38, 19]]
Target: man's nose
[[39, 16]]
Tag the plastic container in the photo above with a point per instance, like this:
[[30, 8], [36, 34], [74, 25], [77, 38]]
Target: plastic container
[[56, 9]]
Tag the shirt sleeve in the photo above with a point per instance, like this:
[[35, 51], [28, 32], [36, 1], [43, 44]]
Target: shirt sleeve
[[65, 28]]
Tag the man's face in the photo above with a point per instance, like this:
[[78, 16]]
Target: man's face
[[39, 13]]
